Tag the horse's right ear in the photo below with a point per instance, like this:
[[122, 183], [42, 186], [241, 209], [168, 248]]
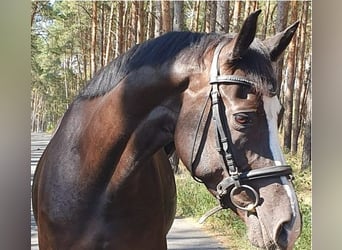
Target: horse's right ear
[[245, 37], [278, 43]]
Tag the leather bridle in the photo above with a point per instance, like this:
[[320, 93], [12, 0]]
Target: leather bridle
[[236, 179]]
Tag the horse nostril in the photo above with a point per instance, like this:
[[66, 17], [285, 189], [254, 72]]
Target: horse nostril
[[281, 236]]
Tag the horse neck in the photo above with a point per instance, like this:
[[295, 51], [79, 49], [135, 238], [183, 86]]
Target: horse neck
[[135, 118]]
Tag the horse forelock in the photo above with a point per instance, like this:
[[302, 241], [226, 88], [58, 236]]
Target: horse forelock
[[257, 66], [189, 47]]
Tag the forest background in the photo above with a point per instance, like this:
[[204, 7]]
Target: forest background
[[72, 40]]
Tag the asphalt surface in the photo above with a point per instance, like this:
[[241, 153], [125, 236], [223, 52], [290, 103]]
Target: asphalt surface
[[188, 235], [185, 234]]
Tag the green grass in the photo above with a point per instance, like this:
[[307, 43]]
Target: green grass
[[194, 200]]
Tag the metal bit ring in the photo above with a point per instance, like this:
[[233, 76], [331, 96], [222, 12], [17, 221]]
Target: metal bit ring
[[249, 207]]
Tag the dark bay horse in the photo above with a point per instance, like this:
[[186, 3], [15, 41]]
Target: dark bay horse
[[105, 182]]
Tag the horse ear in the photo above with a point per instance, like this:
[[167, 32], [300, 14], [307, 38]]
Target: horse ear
[[278, 43], [245, 37]]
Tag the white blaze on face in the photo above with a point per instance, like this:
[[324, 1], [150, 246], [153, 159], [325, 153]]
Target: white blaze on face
[[272, 108]]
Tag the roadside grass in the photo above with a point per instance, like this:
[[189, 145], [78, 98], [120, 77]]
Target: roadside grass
[[194, 200]]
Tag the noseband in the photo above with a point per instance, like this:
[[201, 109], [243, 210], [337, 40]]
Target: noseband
[[236, 179]]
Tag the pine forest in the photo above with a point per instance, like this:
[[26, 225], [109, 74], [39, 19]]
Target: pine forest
[[72, 40]]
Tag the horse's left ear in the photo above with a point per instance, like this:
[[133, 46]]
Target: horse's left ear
[[278, 43]]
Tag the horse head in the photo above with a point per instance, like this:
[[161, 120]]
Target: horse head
[[226, 134]]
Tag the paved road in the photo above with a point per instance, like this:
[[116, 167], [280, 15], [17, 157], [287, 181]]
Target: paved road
[[184, 234], [38, 144]]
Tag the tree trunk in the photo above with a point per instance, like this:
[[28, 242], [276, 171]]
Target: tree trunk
[[84, 56], [195, 14], [198, 21], [66, 89], [178, 15], [300, 78], [103, 34], [109, 33], [306, 155], [236, 14], [133, 24], [150, 20], [291, 75], [266, 14], [34, 110], [158, 20], [210, 21], [119, 29], [93, 40], [126, 23], [247, 9], [223, 16], [141, 22], [281, 22], [166, 16]]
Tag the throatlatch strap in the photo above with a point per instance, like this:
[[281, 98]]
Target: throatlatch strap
[[193, 155]]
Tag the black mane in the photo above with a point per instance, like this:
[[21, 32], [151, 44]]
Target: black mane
[[153, 52]]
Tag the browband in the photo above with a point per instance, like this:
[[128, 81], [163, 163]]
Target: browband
[[216, 77]]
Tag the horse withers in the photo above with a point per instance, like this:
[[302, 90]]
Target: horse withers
[[105, 182]]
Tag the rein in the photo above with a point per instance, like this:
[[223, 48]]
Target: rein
[[236, 179]]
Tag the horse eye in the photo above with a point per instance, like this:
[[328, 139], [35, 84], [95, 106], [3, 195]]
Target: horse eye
[[242, 118]]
